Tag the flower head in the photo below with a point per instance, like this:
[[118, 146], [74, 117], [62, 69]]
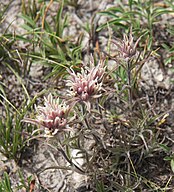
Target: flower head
[[127, 47], [53, 116], [86, 85]]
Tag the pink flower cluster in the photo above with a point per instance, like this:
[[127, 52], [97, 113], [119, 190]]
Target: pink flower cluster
[[87, 84], [53, 117], [126, 47]]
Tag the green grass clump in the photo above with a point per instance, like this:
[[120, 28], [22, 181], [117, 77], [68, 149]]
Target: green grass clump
[[13, 133], [50, 46]]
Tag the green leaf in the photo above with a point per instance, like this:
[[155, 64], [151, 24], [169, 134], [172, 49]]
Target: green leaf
[[172, 165], [7, 185], [167, 158], [107, 13], [27, 27], [117, 22], [130, 3], [115, 10], [100, 186], [59, 27], [161, 11], [164, 147], [28, 20]]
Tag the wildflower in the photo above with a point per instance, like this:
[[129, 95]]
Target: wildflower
[[53, 117], [126, 47], [86, 85]]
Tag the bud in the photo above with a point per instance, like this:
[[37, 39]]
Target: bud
[[126, 47]]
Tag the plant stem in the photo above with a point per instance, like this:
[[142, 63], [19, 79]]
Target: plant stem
[[93, 132], [129, 82]]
